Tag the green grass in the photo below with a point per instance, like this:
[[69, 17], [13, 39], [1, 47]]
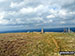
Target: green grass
[[35, 44]]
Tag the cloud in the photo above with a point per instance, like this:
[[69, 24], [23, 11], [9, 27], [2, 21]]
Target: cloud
[[40, 7], [26, 10], [50, 20], [2, 15], [2, 0], [3, 21], [50, 16], [58, 12], [71, 12], [15, 4], [12, 13], [30, 12], [62, 22], [63, 12], [53, 11]]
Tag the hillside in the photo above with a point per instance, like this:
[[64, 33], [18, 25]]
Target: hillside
[[36, 44]]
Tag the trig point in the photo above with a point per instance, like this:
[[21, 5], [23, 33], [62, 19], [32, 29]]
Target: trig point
[[42, 31], [69, 30]]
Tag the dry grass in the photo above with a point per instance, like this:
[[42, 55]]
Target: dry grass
[[36, 44]]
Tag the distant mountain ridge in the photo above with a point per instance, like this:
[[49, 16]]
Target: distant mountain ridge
[[39, 30]]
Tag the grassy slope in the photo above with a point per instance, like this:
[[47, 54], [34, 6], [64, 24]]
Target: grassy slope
[[35, 44]]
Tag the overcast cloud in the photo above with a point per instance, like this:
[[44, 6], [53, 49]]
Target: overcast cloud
[[32, 14]]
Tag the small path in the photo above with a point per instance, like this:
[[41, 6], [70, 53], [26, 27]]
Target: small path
[[55, 42]]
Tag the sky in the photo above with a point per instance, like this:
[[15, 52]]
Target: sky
[[36, 14]]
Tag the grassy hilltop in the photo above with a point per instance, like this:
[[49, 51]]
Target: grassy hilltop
[[36, 44]]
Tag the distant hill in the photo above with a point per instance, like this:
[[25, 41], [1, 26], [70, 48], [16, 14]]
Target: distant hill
[[39, 30]]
